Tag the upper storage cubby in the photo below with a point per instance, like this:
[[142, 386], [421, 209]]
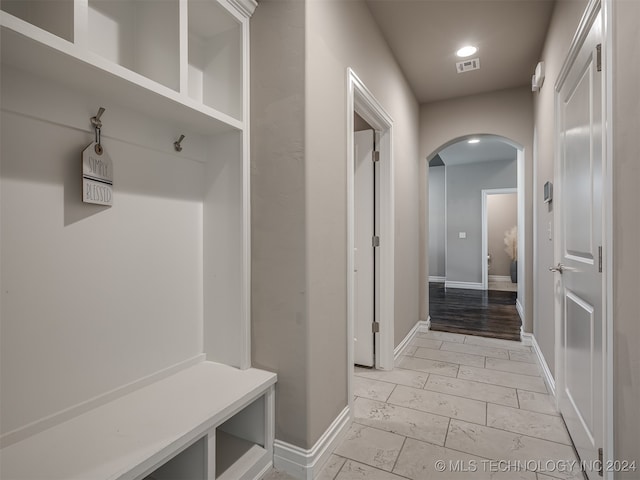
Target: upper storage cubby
[[215, 57], [181, 60], [54, 16], [140, 35]]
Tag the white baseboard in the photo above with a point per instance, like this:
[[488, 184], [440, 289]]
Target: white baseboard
[[425, 326], [520, 310], [529, 338], [420, 326], [499, 278], [305, 464], [466, 285], [435, 279]]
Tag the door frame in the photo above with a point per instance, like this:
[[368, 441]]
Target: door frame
[[589, 17], [485, 228], [362, 101]]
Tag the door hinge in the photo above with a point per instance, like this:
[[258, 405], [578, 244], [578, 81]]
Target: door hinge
[[599, 57], [375, 241], [375, 156], [600, 259], [375, 327], [600, 458]]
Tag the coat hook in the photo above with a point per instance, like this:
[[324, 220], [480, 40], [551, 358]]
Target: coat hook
[[177, 143], [95, 121]]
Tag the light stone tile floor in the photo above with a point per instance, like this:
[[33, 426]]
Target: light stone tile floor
[[455, 407]]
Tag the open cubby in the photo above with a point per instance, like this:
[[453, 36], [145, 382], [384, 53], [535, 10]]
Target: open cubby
[[54, 16], [190, 464], [215, 57], [240, 440], [140, 35]]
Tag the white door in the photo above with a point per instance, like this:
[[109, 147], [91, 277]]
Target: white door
[[364, 270], [580, 292]]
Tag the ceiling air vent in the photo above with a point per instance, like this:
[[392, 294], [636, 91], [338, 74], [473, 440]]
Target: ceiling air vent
[[468, 65]]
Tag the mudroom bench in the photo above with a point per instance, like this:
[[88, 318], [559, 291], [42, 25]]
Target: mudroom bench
[[209, 421]]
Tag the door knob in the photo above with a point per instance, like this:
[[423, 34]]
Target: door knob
[[558, 268]]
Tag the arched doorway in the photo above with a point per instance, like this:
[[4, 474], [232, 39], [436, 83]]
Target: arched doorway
[[463, 172]]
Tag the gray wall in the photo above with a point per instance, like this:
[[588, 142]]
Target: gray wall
[[300, 55], [564, 22], [464, 214], [502, 216], [437, 223], [508, 113], [279, 323]]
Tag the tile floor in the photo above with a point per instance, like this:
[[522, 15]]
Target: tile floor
[[477, 405]]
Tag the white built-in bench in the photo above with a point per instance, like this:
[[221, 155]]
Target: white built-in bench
[[209, 421]]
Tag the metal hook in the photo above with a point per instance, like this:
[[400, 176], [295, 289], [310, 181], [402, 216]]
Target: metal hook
[[177, 143], [95, 121], [97, 124]]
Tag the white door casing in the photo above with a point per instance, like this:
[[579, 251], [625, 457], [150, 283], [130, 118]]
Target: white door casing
[[364, 260], [485, 229], [361, 101], [578, 251]]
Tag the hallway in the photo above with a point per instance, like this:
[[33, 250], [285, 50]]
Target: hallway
[[474, 312], [477, 404]]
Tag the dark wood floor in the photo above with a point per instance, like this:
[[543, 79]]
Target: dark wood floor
[[474, 312]]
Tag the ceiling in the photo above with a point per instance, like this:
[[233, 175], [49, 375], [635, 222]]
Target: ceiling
[[424, 36], [490, 148]]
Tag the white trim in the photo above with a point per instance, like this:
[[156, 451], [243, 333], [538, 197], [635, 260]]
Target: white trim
[[435, 279], [426, 326], [420, 326], [522, 186], [77, 410], [485, 230], [362, 101], [245, 7], [465, 285], [607, 199], [520, 311], [530, 339], [499, 278], [305, 464], [587, 20]]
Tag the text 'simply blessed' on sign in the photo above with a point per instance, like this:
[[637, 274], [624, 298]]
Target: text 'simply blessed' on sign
[[97, 176]]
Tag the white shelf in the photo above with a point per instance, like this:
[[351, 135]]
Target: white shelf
[[34, 50], [130, 436]]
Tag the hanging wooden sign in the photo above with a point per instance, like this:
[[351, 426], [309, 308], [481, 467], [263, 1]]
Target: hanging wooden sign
[[97, 175]]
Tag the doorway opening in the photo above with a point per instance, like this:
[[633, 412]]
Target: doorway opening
[[363, 106], [464, 174], [500, 239]]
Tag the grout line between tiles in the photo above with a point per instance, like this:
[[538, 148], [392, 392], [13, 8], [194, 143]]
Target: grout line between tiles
[[377, 468], [508, 371], [341, 466], [398, 456], [519, 434], [407, 436], [393, 383]]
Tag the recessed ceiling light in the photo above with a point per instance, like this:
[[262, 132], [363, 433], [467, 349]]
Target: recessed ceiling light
[[466, 51], [474, 140]]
